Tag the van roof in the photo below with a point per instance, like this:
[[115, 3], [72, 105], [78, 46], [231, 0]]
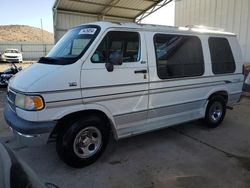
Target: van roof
[[161, 28]]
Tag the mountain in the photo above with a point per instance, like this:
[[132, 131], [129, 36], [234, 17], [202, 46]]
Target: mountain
[[24, 33]]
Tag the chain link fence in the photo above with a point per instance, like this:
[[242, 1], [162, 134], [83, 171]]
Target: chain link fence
[[30, 51]]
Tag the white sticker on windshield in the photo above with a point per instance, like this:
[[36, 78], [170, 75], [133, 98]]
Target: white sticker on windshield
[[88, 31]]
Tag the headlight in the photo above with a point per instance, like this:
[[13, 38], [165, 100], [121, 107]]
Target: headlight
[[28, 102]]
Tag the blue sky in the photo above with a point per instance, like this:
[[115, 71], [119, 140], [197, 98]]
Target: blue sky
[[30, 12], [27, 12]]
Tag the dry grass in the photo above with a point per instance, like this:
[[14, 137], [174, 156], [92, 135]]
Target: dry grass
[[23, 33]]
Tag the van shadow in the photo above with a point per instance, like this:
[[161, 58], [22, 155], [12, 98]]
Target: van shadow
[[151, 139]]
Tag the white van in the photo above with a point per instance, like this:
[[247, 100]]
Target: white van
[[126, 79]]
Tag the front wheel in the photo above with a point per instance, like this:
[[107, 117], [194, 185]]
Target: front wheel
[[83, 142], [215, 112]]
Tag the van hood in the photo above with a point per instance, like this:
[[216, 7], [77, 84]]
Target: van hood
[[24, 79]]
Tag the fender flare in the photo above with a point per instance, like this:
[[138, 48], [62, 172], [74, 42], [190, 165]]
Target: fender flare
[[213, 91], [86, 107], [217, 89]]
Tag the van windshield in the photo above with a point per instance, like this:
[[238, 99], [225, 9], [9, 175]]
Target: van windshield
[[72, 45]]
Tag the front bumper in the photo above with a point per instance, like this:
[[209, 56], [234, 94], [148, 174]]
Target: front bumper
[[18, 59], [27, 128]]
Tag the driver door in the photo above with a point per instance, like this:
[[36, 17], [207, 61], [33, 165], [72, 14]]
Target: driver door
[[123, 91]]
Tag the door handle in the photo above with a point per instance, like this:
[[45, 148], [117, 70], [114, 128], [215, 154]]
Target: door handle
[[141, 71]]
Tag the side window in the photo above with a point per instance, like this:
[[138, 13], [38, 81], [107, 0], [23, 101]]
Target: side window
[[178, 56], [100, 55], [126, 43], [221, 55]]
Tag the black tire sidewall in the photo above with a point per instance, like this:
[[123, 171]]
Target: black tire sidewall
[[208, 121], [66, 139]]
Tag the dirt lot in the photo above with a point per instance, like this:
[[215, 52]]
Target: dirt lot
[[25, 64], [184, 156]]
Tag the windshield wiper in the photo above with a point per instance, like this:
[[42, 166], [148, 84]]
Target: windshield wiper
[[56, 61], [46, 60]]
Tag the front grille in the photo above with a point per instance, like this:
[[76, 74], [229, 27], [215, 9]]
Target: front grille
[[11, 56], [11, 95]]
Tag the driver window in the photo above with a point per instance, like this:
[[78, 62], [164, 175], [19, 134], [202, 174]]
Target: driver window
[[100, 54], [126, 43]]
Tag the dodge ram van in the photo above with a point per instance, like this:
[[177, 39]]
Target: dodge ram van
[[121, 79]]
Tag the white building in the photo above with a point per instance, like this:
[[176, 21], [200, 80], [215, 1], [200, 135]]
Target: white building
[[231, 15]]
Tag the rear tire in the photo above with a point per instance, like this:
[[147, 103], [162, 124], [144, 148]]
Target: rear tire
[[83, 142], [215, 112]]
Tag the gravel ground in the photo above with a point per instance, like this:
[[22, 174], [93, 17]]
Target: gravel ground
[[25, 64]]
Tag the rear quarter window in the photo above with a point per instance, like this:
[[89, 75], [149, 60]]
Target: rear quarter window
[[178, 56], [221, 55]]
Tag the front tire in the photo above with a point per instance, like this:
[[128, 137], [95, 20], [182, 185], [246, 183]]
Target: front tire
[[83, 142], [215, 112]]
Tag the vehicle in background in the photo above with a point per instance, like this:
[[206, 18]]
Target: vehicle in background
[[14, 172], [247, 80], [246, 85], [6, 75], [11, 55], [127, 79]]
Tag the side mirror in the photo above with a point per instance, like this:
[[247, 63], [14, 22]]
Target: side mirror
[[115, 58], [109, 67]]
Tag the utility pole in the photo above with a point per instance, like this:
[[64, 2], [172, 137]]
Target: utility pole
[[42, 36]]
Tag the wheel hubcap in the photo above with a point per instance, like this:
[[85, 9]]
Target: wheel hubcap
[[216, 111], [87, 142]]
